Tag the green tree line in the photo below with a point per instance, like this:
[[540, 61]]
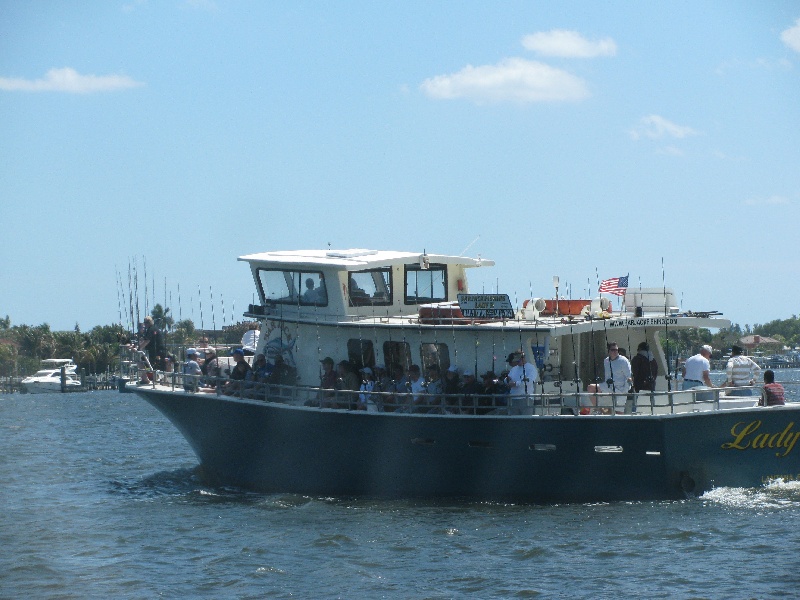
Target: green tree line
[[23, 347]]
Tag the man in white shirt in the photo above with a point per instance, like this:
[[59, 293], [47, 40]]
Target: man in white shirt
[[696, 372], [617, 370], [521, 383], [697, 369]]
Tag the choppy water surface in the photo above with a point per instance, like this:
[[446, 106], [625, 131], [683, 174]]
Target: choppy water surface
[[99, 499]]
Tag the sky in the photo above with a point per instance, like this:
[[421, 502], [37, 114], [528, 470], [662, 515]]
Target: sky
[[581, 139]]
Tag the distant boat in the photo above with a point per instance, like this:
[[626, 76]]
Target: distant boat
[[48, 378], [380, 312]]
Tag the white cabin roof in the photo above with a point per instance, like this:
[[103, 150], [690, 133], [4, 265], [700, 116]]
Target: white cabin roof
[[357, 258]]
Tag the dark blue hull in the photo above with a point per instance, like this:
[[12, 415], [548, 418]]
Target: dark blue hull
[[544, 459]]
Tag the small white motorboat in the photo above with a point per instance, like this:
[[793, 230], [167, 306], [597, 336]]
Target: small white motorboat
[[48, 378]]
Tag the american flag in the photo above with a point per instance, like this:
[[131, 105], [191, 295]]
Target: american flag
[[615, 285]]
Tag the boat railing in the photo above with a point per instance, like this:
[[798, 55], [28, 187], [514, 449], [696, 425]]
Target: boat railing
[[550, 403]]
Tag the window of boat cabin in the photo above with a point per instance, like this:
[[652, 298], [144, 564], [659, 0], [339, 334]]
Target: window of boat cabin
[[397, 353], [426, 285], [306, 288], [435, 354], [370, 288], [361, 353]]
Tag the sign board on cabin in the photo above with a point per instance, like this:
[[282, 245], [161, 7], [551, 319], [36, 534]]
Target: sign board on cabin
[[485, 306]]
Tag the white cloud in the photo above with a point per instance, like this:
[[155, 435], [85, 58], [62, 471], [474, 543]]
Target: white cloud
[[656, 127], [791, 36], [69, 81], [511, 80], [770, 201], [570, 44]]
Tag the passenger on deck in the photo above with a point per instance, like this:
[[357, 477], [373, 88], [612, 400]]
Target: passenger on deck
[[261, 369], [238, 374], [211, 368], [741, 371], [190, 367], [434, 402], [416, 385], [168, 366], [493, 394], [697, 372], [327, 383], [365, 399], [202, 346], [470, 390], [347, 381], [773, 393], [398, 386], [644, 369], [383, 383], [617, 370], [282, 373], [521, 383], [452, 388], [152, 341]]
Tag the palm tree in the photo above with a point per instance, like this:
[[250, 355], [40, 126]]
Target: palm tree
[[161, 317]]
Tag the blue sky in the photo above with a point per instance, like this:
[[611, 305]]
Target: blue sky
[[578, 139]]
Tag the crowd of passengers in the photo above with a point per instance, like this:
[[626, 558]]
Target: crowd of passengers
[[344, 386], [393, 389], [241, 379]]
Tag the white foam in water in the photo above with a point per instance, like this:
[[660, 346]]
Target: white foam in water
[[776, 494]]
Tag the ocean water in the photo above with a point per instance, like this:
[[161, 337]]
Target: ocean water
[[99, 499]]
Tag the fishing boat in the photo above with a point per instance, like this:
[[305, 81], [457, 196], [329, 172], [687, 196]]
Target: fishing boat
[[49, 379], [386, 313]]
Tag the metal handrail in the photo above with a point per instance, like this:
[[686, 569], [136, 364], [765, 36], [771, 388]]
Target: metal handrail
[[477, 404]]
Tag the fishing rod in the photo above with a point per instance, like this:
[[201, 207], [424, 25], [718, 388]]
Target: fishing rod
[[144, 268], [521, 346], [200, 300], [213, 316], [596, 378], [130, 298], [666, 329], [575, 362], [136, 291], [119, 299]]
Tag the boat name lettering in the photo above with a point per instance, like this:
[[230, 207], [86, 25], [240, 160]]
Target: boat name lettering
[[745, 437], [485, 305], [644, 321], [483, 298]]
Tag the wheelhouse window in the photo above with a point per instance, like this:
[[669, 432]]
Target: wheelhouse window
[[435, 354], [361, 353], [304, 288], [425, 285], [370, 288]]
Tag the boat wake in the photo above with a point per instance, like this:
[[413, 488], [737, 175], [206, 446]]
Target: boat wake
[[776, 495]]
